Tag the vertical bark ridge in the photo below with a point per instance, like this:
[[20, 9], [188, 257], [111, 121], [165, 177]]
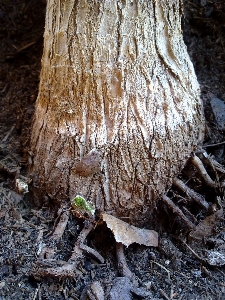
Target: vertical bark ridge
[[117, 80]]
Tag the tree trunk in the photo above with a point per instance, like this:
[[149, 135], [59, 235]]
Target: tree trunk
[[118, 111]]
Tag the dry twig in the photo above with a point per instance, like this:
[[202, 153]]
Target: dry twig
[[192, 251], [168, 272], [164, 294], [214, 145]]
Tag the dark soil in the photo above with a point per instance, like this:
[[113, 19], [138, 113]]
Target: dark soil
[[180, 268]]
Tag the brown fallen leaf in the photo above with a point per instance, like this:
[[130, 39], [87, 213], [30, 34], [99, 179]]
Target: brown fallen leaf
[[129, 234], [206, 227]]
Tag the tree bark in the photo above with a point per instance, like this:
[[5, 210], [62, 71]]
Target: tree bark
[[118, 111]]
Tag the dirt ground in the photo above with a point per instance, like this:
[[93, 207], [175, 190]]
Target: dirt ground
[[185, 266]]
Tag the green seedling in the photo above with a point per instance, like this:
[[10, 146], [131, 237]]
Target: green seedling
[[81, 204]]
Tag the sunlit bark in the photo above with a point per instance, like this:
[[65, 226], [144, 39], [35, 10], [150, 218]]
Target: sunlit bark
[[118, 110]]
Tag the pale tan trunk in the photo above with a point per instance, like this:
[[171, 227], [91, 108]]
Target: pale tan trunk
[[118, 110]]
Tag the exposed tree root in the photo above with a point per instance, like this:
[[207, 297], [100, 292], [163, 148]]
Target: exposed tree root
[[177, 211], [217, 167], [207, 159], [64, 269], [80, 246], [128, 283], [191, 216], [61, 226], [202, 171], [191, 193], [122, 264], [48, 252], [67, 268]]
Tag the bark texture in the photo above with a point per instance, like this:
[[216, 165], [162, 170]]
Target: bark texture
[[118, 110]]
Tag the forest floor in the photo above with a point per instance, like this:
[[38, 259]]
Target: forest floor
[[182, 267]]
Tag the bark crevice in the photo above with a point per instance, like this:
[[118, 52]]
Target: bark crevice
[[116, 78]]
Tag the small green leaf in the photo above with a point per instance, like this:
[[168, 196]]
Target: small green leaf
[[80, 203]]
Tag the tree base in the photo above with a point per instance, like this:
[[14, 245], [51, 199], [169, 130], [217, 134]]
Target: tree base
[[68, 269]]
